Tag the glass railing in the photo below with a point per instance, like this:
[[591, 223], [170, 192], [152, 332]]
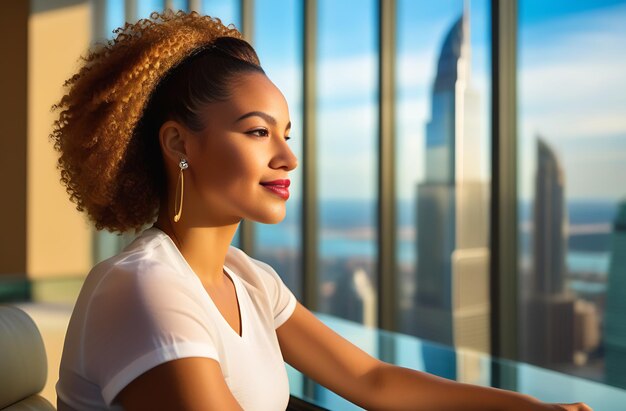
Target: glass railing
[[460, 365], [57, 296]]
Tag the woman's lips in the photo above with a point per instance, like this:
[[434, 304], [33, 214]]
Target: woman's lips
[[278, 187]]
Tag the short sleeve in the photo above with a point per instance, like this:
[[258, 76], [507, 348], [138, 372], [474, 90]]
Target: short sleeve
[[138, 320], [282, 300]]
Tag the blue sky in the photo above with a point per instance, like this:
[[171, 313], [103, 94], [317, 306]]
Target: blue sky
[[535, 11], [572, 92]]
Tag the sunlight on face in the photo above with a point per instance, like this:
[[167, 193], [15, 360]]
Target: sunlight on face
[[243, 147]]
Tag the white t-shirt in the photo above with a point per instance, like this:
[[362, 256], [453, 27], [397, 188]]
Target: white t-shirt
[[145, 306]]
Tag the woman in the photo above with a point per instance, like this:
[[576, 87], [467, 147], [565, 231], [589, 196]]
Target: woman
[[175, 124]]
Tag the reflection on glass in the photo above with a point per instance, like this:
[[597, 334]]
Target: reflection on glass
[[280, 50], [466, 366], [572, 156], [442, 172], [347, 128]]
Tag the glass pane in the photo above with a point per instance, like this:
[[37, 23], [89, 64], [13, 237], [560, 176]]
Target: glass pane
[[114, 16], [179, 5], [279, 47], [228, 11], [572, 159], [443, 171], [145, 7], [347, 128], [236, 238]]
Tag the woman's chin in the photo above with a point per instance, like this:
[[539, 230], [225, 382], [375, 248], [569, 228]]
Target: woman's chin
[[271, 217]]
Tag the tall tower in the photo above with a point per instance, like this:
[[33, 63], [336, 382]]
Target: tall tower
[[550, 311], [615, 326], [451, 302], [550, 223]]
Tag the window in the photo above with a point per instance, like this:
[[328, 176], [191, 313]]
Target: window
[[572, 159], [347, 127], [443, 87], [229, 11]]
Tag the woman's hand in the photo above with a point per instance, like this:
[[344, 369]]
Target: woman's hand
[[578, 406], [529, 402]]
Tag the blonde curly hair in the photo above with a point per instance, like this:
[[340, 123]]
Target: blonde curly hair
[[161, 68]]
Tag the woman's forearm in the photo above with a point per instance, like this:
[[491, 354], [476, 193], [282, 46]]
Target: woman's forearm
[[398, 388]]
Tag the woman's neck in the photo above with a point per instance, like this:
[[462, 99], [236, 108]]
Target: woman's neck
[[204, 248]]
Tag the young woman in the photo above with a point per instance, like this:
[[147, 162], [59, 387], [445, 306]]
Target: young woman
[[174, 130]]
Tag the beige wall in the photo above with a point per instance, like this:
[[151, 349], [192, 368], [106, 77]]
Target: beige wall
[[59, 238]]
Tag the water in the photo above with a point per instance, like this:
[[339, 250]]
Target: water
[[347, 229]]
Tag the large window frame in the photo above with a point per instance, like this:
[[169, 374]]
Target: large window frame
[[504, 247]]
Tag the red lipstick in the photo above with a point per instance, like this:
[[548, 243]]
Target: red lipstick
[[278, 187]]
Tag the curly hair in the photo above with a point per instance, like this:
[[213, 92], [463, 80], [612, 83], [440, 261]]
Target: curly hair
[[161, 68]]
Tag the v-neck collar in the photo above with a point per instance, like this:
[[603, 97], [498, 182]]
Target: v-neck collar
[[239, 291]]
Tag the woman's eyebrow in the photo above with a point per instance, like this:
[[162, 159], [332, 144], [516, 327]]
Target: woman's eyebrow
[[261, 114], [264, 116]]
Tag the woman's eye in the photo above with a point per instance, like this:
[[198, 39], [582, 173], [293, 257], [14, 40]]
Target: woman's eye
[[260, 132], [287, 138]]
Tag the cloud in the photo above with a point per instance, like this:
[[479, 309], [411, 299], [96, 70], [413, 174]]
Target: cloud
[[571, 91], [354, 76], [572, 84], [347, 144], [416, 70]]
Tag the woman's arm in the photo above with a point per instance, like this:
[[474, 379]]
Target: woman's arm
[[185, 384], [323, 355]]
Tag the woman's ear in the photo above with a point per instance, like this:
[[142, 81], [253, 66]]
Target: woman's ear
[[173, 138]]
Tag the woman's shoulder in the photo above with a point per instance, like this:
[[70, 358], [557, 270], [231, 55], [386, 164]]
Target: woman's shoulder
[[144, 258]]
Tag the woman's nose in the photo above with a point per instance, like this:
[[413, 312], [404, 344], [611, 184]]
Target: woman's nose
[[284, 157]]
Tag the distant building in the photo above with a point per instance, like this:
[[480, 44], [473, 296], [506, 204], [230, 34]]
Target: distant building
[[548, 337], [451, 303], [558, 329], [354, 298], [550, 223], [615, 312]]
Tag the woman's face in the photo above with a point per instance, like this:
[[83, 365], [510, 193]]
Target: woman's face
[[243, 147]]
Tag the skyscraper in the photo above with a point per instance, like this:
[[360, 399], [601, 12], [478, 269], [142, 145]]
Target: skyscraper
[[615, 326], [451, 301], [550, 223], [558, 328], [549, 310]]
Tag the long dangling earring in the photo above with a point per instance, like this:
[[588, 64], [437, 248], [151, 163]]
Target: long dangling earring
[[180, 187]]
